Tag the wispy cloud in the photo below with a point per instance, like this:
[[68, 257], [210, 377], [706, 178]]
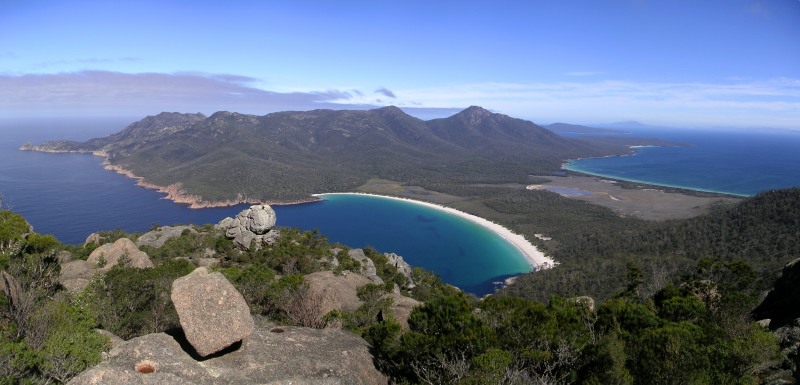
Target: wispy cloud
[[110, 93], [773, 102], [385, 92]]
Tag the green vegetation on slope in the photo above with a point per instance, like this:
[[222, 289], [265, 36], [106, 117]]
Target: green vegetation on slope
[[697, 332], [45, 335], [290, 155], [593, 245]]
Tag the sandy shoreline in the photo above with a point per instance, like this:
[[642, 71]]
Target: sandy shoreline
[[535, 258]]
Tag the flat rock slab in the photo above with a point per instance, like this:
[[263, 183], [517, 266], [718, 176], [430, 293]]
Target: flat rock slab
[[272, 355], [212, 313]]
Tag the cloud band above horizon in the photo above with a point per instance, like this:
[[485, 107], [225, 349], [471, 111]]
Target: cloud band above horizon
[[773, 103]]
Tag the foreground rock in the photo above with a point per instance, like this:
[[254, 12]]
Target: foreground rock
[[271, 355], [253, 224], [212, 313]]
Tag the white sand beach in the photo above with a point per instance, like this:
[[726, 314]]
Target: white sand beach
[[536, 258]]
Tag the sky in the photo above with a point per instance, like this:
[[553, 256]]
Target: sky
[[682, 63]]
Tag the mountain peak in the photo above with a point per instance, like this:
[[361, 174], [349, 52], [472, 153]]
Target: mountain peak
[[390, 110], [476, 111], [474, 115]]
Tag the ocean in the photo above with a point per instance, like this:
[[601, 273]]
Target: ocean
[[71, 195], [735, 162]]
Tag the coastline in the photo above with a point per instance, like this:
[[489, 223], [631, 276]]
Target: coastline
[[536, 258], [173, 192], [568, 166]]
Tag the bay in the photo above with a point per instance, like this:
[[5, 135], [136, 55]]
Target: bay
[[735, 162], [71, 196]]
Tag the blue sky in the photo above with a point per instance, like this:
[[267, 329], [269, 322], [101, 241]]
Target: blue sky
[[669, 62]]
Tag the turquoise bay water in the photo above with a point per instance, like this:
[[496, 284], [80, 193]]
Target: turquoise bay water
[[462, 252], [71, 196], [732, 162]]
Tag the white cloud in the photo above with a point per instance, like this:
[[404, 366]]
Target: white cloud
[[773, 102], [766, 103]]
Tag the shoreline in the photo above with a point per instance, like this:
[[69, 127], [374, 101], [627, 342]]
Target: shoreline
[[568, 166], [173, 192], [535, 258]]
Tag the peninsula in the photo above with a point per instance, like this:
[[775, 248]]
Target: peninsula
[[229, 158]]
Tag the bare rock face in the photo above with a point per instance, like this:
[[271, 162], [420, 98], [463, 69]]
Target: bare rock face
[[401, 308], [123, 250], [402, 267], [367, 266], [11, 288], [339, 292], [212, 313], [271, 355], [75, 275], [157, 237], [93, 238], [253, 224]]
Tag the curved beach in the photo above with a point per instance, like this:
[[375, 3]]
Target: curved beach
[[534, 256]]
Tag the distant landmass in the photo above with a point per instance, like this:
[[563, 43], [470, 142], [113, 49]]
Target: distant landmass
[[564, 128], [229, 158]]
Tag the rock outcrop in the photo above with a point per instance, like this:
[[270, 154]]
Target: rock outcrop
[[76, 274], [93, 238], [339, 292], [156, 238], [782, 304], [780, 311], [11, 289], [253, 224], [271, 355], [123, 250], [212, 313], [402, 267], [367, 266]]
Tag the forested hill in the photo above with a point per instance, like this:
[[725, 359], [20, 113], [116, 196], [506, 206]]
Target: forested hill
[[289, 155], [596, 256]]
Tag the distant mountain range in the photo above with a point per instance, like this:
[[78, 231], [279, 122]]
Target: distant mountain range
[[287, 156]]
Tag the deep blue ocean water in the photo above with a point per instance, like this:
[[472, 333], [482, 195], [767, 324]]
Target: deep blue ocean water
[[71, 196], [728, 161]]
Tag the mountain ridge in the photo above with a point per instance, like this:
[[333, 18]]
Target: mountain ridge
[[289, 155]]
